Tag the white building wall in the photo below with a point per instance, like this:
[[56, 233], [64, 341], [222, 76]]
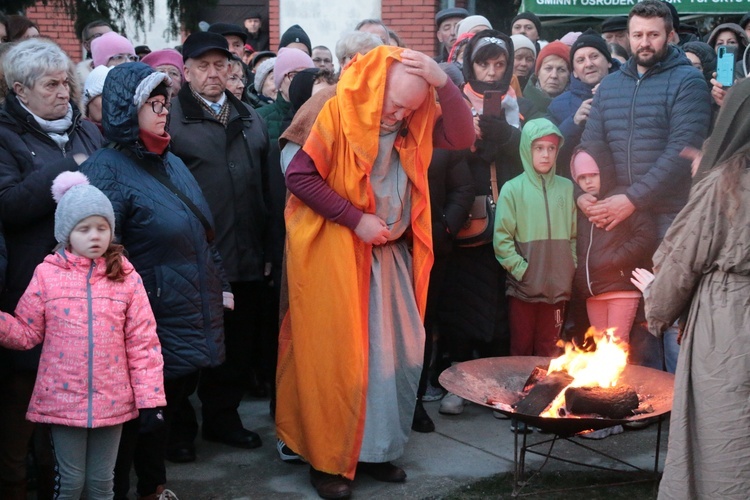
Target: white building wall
[[325, 20], [155, 33]]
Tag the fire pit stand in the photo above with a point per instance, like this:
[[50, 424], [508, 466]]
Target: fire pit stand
[[497, 383]]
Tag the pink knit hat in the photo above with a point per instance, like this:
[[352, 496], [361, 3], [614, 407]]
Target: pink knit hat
[[108, 45], [289, 59], [581, 164], [164, 56], [556, 48]]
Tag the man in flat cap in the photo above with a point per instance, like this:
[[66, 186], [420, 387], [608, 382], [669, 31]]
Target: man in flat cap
[[615, 30], [446, 21]]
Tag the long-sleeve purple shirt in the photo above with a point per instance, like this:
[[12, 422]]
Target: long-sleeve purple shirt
[[453, 130]]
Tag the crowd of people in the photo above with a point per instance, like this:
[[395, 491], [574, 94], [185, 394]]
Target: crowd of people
[[219, 218]]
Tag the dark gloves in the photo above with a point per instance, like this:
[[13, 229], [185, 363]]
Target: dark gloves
[[495, 129], [150, 420]]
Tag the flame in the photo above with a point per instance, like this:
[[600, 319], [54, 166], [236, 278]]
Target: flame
[[595, 368]]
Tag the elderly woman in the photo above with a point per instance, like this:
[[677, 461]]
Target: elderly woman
[[41, 135], [167, 61], [524, 58], [165, 224], [552, 75], [112, 49]]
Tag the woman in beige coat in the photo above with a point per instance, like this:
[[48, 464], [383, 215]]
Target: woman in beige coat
[[704, 264]]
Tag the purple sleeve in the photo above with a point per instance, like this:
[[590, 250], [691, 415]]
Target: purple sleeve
[[305, 182], [459, 132]]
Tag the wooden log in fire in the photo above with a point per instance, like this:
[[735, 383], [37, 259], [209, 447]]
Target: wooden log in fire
[[543, 393], [612, 402]]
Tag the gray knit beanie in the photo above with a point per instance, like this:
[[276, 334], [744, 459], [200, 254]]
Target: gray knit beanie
[[77, 199]]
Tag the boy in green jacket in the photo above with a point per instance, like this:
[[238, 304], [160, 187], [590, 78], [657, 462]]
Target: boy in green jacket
[[535, 241]]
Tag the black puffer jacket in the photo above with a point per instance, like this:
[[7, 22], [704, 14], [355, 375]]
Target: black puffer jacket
[[647, 122], [606, 259], [29, 162], [165, 240], [451, 196]]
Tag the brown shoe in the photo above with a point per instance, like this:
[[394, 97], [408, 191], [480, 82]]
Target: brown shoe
[[383, 471], [330, 485]]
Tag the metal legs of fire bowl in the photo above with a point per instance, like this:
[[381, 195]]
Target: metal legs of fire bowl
[[520, 480]]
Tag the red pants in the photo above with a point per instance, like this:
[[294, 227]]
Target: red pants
[[535, 327]]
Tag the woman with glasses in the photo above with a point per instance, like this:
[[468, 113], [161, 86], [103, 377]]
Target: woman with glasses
[[167, 61], [236, 81], [165, 224], [112, 49]]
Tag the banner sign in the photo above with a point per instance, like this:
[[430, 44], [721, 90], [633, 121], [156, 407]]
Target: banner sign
[[583, 8]]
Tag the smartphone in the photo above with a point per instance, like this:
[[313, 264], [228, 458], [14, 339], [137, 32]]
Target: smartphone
[[493, 103], [725, 65]]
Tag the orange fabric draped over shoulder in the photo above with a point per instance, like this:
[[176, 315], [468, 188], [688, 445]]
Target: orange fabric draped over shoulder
[[323, 343]]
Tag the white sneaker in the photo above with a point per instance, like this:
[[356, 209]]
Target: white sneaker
[[167, 495], [286, 453], [433, 393], [452, 404]]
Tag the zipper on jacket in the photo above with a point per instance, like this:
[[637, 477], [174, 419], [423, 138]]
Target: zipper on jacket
[[588, 253], [630, 136], [546, 209], [89, 302]]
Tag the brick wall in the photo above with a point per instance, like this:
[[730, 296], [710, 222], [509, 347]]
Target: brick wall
[[413, 21], [54, 23], [273, 24]]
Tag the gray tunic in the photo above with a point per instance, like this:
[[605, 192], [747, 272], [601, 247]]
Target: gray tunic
[[396, 332]]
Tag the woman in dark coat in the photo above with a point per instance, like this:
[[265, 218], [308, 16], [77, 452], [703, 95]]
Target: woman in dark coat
[[42, 134], [168, 242], [473, 311]]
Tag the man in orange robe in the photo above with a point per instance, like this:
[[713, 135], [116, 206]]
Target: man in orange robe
[[359, 253]]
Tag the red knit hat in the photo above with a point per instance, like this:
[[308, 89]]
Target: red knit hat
[[556, 48]]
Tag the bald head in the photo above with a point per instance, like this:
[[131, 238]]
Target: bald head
[[404, 93]]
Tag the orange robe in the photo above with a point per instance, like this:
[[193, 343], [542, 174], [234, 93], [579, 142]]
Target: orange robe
[[323, 343]]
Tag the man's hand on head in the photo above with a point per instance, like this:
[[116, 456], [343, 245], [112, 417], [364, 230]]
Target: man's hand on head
[[609, 212], [422, 65]]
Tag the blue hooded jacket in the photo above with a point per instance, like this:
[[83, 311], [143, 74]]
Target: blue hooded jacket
[[165, 240]]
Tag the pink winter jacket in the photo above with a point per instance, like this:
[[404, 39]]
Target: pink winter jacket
[[101, 359]]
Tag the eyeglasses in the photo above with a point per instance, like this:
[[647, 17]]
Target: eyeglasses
[[120, 58], [292, 74], [159, 106], [326, 60]]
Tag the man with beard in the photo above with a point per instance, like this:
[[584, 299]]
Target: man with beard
[[648, 112]]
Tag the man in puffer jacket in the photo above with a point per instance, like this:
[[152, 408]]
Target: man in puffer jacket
[[648, 112]]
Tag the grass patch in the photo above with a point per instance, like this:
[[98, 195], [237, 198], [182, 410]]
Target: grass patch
[[501, 486]]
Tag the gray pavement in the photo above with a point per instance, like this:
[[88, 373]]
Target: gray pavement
[[464, 449]]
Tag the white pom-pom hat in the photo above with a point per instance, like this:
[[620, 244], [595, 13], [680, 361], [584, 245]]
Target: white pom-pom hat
[[77, 199]]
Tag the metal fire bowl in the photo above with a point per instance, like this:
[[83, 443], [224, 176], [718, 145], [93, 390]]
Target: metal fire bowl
[[500, 380]]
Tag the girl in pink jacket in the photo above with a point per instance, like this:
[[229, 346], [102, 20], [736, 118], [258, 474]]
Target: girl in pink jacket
[[101, 360]]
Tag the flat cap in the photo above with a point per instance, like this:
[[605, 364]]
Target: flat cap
[[448, 13]]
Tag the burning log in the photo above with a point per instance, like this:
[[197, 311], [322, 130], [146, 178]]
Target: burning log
[[612, 402], [536, 376], [543, 393]]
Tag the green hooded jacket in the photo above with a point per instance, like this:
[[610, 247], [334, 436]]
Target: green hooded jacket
[[535, 227]]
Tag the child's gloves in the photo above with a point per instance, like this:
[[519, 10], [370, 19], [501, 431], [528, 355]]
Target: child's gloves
[[150, 420]]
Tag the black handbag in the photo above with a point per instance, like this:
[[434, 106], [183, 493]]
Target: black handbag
[[480, 225]]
